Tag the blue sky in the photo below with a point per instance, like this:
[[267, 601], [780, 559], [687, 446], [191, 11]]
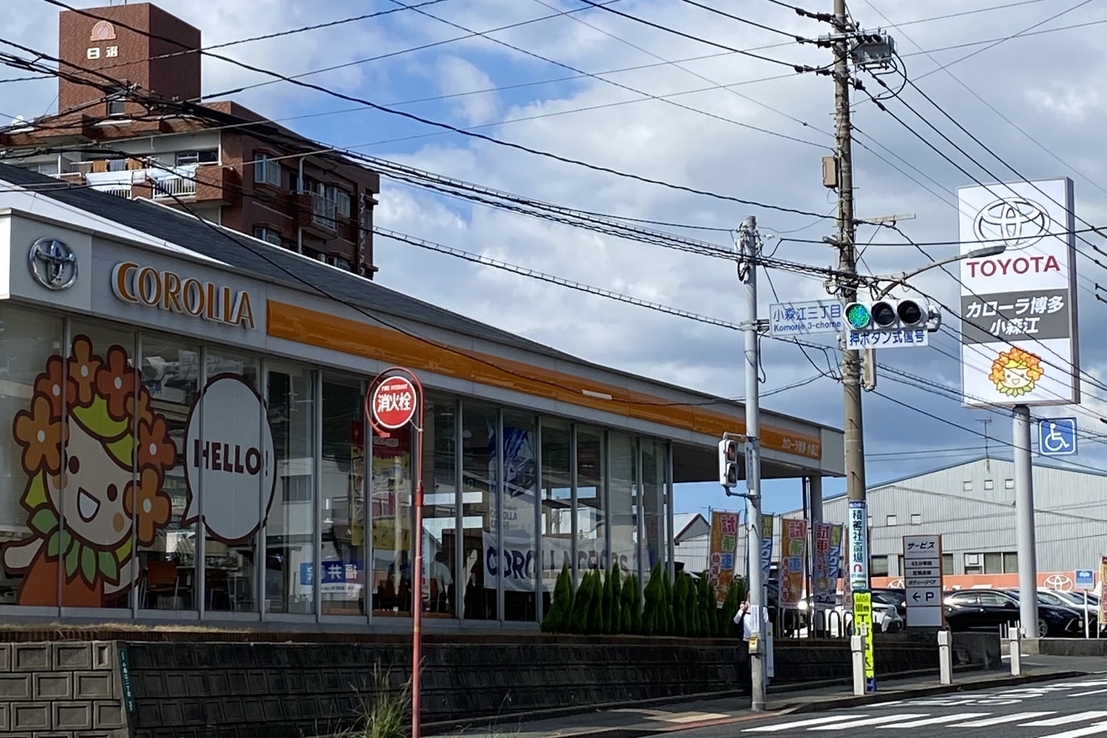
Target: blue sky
[[1036, 99]]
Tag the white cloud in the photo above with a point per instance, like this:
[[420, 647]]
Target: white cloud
[[456, 75]]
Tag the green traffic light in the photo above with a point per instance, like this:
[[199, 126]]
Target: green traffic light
[[858, 316]]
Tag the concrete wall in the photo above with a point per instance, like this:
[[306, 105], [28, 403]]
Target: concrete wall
[[64, 690]]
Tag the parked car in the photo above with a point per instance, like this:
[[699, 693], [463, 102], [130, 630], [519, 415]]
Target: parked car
[[897, 598], [1049, 599], [988, 609], [1074, 600]]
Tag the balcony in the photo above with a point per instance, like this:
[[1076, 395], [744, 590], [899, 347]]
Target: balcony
[[323, 212], [190, 183], [174, 187]]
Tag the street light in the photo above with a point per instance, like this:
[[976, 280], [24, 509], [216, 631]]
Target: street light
[[901, 280]]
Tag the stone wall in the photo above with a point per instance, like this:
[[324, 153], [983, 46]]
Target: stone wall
[[61, 690]]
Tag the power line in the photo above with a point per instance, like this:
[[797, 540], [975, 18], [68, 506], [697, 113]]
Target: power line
[[748, 22], [455, 129]]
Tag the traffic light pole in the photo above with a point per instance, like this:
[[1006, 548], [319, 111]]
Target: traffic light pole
[[747, 272], [847, 268]]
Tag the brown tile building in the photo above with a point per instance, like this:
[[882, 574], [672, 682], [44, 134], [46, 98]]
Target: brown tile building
[[229, 165]]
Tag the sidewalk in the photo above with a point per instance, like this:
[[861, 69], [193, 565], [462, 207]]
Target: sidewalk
[[640, 720]]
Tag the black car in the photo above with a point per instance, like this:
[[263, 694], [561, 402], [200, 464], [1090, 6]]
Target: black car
[[897, 598], [988, 609]]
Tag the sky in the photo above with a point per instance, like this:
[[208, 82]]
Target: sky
[[1026, 79]]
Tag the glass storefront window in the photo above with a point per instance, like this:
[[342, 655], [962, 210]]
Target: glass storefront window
[[231, 528], [479, 485], [591, 518], [342, 562], [31, 368], [623, 502], [653, 509], [290, 526], [557, 503], [440, 507], [516, 565], [392, 518]]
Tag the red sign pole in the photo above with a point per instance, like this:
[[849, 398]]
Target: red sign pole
[[395, 399]]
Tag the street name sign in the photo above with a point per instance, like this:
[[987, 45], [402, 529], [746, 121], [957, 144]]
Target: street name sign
[[922, 581], [806, 318]]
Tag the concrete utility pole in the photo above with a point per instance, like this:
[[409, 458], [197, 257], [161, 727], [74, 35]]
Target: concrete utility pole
[[1024, 513], [747, 272], [847, 260]]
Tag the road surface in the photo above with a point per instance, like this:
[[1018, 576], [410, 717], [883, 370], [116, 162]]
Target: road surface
[[1071, 708]]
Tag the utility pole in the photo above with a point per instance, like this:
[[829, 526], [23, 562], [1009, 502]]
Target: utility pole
[[1024, 512], [747, 272], [847, 267]]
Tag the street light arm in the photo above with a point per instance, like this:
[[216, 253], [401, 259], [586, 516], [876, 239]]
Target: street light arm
[[981, 253]]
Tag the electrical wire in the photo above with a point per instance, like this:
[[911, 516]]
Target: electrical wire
[[748, 22]]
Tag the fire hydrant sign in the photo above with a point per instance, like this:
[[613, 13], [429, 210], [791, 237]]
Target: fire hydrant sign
[[393, 403], [922, 581]]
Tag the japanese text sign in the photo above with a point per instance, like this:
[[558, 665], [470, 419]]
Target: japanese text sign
[[793, 558], [393, 403], [827, 565], [858, 545], [724, 549]]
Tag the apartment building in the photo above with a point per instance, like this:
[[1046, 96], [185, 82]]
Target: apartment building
[[229, 165]]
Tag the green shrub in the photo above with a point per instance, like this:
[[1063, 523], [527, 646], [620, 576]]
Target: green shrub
[[595, 610], [708, 608], [559, 617], [614, 590], [682, 626], [582, 607], [667, 605], [632, 606]]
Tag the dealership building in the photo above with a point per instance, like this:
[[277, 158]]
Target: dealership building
[[182, 408]]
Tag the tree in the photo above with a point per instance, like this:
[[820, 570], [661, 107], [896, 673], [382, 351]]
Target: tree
[[682, 626], [614, 592], [667, 609], [596, 608], [654, 618], [734, 597], [582, 607], [559, 617], [709, 621], [632, 606]]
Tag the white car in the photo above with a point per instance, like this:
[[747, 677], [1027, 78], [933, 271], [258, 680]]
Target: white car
[[886, 619]]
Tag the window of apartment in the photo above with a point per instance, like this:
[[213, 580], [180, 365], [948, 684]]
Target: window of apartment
[[916, 519], [1008, 483], [117, 105], [989, 484], [342, 202], [879, 566], [947, 563], [267, 234], [266, 170], [973, 564], [207, 156], [49, 168], [1010, 562], [891, 521]]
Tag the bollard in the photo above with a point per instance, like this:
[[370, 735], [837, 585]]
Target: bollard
[[945, 657], [1015, 651], [857, 646]]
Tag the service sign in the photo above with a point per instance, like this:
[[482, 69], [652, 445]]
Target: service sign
[[1018, 308]]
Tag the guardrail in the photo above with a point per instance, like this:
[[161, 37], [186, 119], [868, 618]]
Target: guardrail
[[169, 187]]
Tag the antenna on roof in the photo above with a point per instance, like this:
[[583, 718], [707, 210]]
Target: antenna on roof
[[987, 456]]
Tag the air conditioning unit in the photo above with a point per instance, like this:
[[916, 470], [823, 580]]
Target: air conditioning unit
[[972, 559]]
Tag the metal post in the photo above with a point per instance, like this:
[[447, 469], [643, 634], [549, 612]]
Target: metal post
[[417, 581], [847, 263], [945, 657], [1014, 649], [747, 271], [1024, 512], [857, 649]]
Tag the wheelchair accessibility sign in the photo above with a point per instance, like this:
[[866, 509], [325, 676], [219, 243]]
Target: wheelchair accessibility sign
[[1057, 436]]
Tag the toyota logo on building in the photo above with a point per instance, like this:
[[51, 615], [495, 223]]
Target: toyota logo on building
[[53, 264], [1015, 222], [1058, 581]]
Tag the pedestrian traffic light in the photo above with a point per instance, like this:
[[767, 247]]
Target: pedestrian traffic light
[[729, 463], [887, 315]]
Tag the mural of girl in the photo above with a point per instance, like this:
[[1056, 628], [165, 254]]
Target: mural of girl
[[106, 484]]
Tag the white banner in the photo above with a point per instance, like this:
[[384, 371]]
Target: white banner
[[520, 561]]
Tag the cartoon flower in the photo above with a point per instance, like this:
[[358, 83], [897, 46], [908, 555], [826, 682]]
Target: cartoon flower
[[83, 368], [1016, 372], [40, 436], [144, 413], [51, 383], [156, 449], [116, 383], [153, 505]]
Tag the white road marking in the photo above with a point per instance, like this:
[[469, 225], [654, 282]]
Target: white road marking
[[1014, 717], [1065, 719], [1086, 694], [867, 722], [935, 720], [800, 724], [1078, 732], [688, 717]]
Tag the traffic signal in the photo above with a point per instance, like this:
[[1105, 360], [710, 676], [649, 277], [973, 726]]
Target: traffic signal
[[730, 465], [887, 315]]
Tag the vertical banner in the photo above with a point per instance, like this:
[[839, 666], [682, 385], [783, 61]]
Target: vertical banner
[[863, 626], [828, 565], [858, 546], [766, 546], [793, 553], [724, 548], [1103, 589]]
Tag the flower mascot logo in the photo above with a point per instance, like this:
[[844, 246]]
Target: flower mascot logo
[[1016, 372], [106, 485]]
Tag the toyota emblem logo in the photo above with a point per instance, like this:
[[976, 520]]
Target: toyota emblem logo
[[53, 264], [1058, 581], [1015, 222]]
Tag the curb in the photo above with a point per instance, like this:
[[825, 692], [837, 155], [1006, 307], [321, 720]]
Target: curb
[[799, 708]]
